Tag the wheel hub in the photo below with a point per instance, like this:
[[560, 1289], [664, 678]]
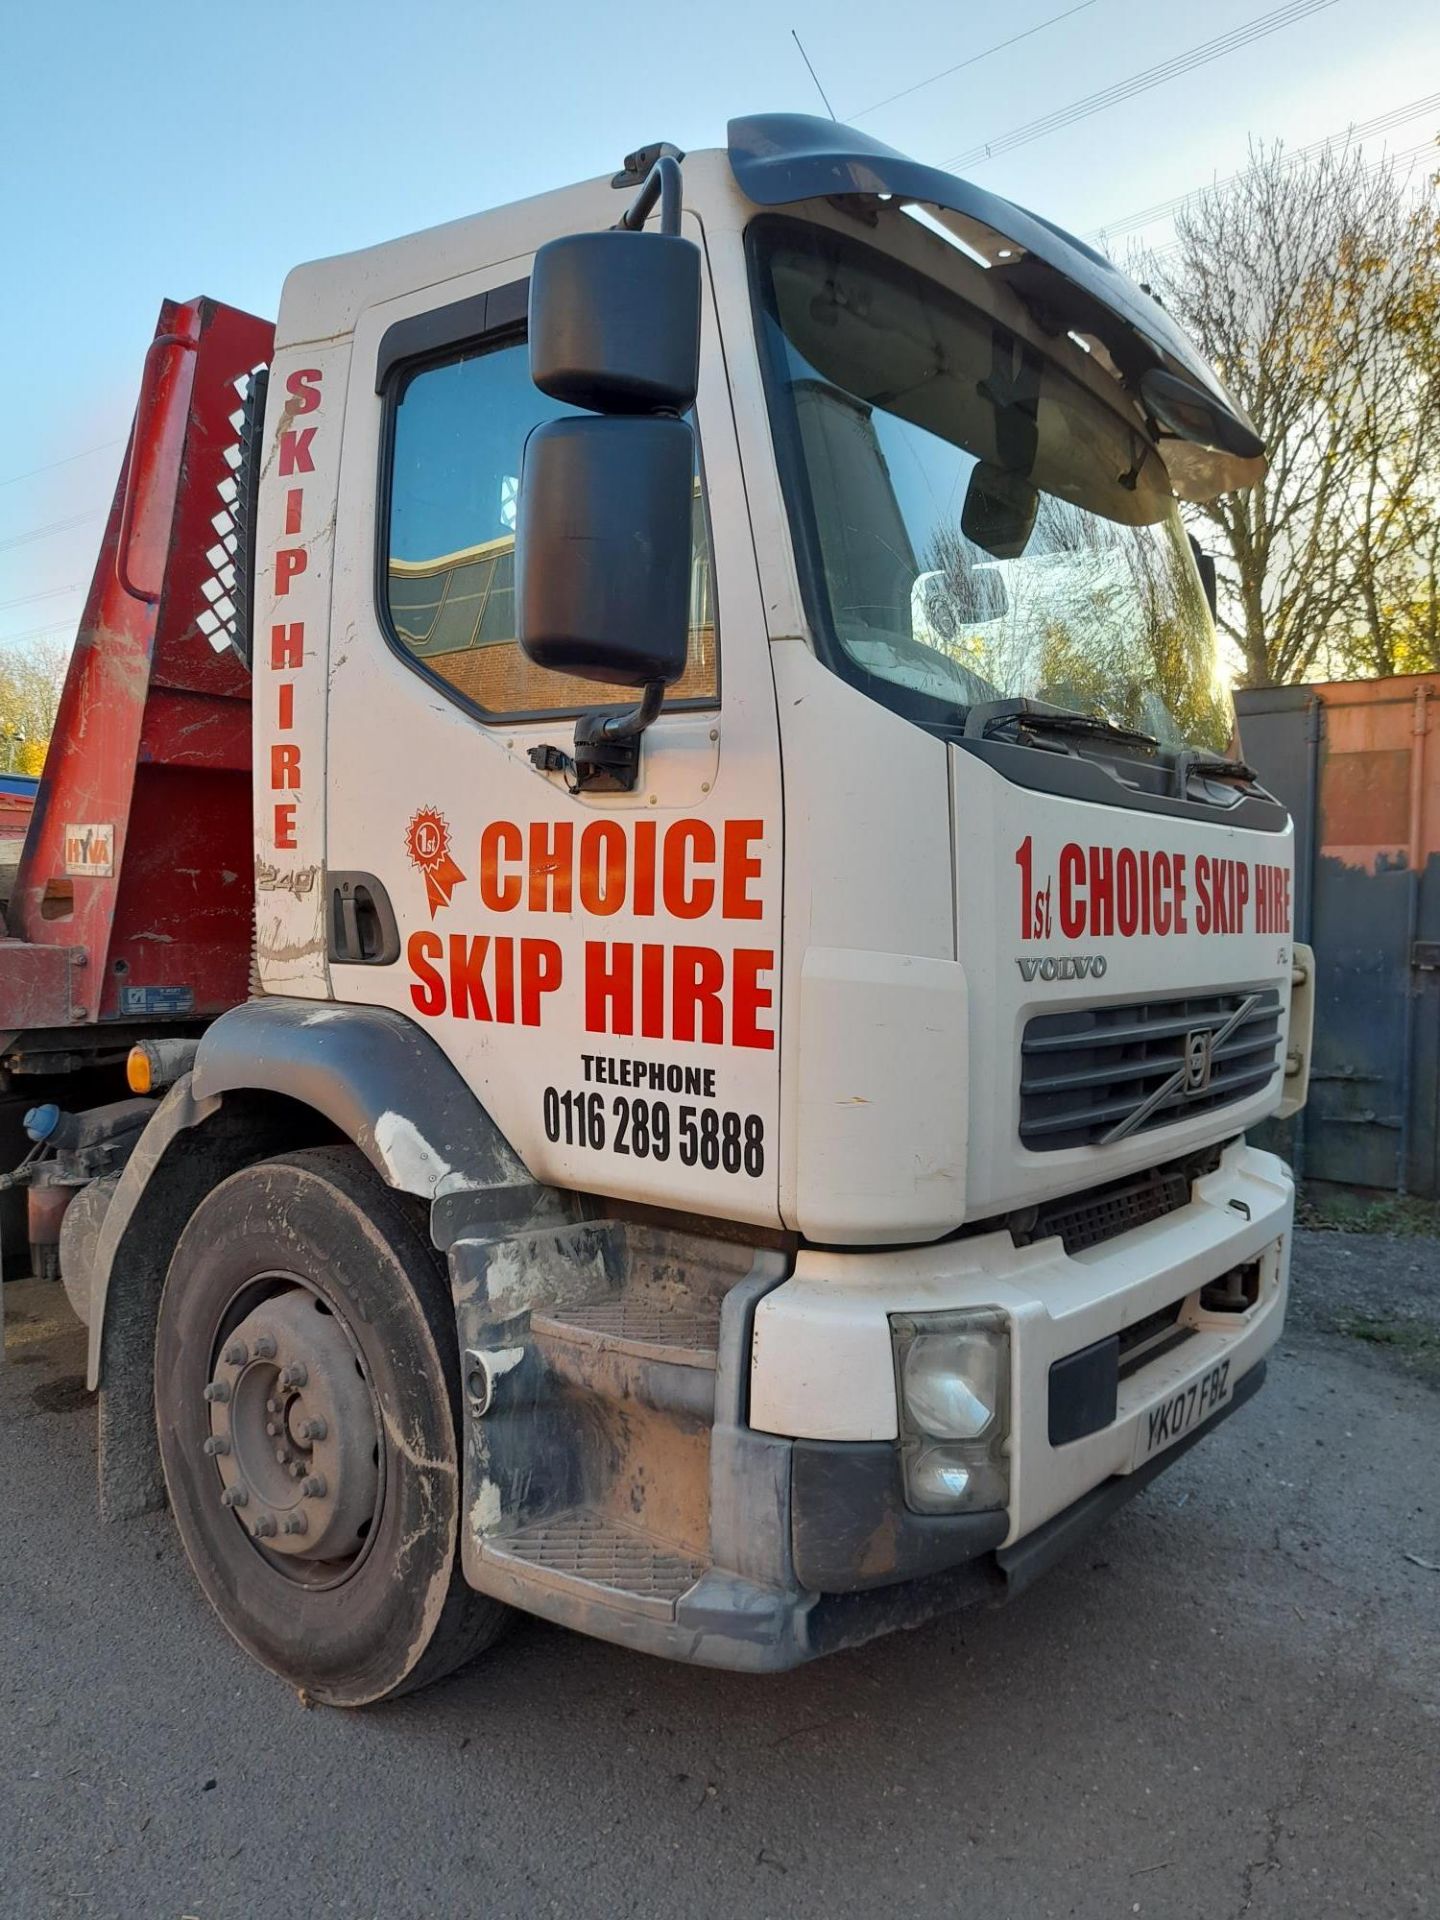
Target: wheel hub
[[293, 1430]]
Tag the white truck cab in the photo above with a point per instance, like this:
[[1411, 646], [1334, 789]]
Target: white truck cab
[[750, 855]]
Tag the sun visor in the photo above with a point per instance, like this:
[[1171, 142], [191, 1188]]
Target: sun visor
[[1208, 446]]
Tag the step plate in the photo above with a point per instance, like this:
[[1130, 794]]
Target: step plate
[[687, 1336], [581, 1548]]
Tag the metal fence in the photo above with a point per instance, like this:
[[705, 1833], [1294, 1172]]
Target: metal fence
[[1350, 761]]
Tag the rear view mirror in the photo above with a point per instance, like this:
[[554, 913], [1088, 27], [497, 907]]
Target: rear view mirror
[[615, 321], [602, 573], [999, 511], [1209, 578], [604, 517]]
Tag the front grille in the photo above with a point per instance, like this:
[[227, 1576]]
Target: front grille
[[1089, 1220], [1084, 1072], [1146, 1340]]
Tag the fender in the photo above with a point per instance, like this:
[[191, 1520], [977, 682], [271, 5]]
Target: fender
[[377, 1080], [377, 1077]]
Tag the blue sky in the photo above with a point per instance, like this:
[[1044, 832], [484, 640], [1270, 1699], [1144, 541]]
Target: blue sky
[[150, 150]]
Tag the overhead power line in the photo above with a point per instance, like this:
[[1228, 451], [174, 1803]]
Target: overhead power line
[[52, 526], [1138, 83], [1365, 130], [62, 631], [52, 593], [1172, 247], [50, 467], [974, 60]]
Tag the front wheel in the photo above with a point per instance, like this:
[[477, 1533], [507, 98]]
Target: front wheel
[[307, 1399]]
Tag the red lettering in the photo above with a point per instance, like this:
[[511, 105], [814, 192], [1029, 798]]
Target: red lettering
[[467, 967], [293, 497], [748, 998], [505, 981], [285, 823], [284, 766], [1102, 891], [551, 854], [285, 704], [642, 890], [698, 974], [287, 646], [539, 973], [1160, 892], [500, 892], [427, 990], [686, 896], [303, 387], [609, 988], [652, 991], [289, 562], [1072, 891], [295, 451], [1127, 889], [1182, 925], [602, 867], [739, 869], [1022, 860]]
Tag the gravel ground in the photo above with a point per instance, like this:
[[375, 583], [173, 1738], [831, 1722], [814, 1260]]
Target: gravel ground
[[1227, 1704]]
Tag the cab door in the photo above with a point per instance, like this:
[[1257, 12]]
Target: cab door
[[602, 967]]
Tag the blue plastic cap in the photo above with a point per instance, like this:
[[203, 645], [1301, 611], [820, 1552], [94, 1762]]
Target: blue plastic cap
[[41, 1122]]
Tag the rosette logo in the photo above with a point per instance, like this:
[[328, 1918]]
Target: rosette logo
[[427, 841]]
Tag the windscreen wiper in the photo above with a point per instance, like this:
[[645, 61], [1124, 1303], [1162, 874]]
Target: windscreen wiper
[[990, 717], [1195, 763]]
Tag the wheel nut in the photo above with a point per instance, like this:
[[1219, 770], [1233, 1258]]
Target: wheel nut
[[264, 1347], [236, 1354], [313, 1429], [234, 1497], [297, 1469], [297, 1523], [272, 1427], [313, 1486], [264, 1526], [295, 1376], [217, 1393], [217, 1443], [273, 1406]]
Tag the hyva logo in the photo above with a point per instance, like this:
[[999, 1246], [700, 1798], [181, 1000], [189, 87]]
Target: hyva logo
[[1062, 966]]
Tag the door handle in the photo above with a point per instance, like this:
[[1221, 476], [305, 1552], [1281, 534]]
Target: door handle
[[362, 929]]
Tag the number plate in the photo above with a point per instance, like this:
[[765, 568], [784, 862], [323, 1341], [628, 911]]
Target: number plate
[[1181, 1411]]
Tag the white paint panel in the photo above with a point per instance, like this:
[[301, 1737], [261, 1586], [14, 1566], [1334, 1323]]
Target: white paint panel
[[295, 537], [993, 818], [884, 1108], [718, 767]]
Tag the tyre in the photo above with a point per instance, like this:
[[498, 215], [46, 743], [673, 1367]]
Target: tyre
[[307, 1398]]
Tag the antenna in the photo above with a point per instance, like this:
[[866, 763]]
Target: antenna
[[813, 75]]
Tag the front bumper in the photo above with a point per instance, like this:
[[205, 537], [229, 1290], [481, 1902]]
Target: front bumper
[[822, 1367], [811, 1546]]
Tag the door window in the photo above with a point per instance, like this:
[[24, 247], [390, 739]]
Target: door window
[[458, 429]]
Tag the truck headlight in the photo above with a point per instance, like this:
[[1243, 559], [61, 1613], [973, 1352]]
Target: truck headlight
[[952, 1388]]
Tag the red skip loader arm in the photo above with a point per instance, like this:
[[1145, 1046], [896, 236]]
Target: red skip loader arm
[[134, 897]]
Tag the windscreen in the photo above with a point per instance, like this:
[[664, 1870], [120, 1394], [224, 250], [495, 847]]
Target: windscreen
[[975, 523]]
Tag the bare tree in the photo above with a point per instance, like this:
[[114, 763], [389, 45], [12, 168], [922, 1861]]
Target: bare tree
[[1314, 285]]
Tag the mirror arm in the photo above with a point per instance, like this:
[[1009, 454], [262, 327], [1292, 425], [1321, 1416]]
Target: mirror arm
[[625, 726], [607, 747], [662, 183]]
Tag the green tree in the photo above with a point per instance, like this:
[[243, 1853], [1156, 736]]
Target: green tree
[[31, 680]]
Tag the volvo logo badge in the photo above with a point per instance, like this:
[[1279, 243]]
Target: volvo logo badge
[[1199, 1054]]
